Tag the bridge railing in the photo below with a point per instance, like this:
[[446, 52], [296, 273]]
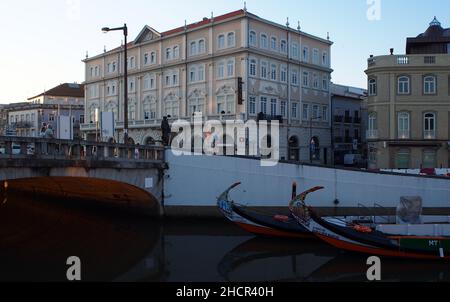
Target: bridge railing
[[41, 148]]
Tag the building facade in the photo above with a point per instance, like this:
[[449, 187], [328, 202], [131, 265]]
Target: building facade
[[27, 119], [348, 121], [195, 69], [409, 104]]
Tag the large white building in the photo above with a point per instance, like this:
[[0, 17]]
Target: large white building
[[195, 68]]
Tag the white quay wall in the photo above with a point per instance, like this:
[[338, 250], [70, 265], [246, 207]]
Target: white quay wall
[[198, 180]]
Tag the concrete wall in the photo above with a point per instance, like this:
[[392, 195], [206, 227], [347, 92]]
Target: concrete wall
[[196, 181]]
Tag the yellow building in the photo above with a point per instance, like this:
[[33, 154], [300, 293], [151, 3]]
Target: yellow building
[[409, 104], [195, 68]]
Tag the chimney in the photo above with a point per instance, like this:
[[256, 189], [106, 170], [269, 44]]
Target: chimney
[[392, 51]]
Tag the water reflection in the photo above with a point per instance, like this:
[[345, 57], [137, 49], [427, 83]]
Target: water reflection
[[38, 235]]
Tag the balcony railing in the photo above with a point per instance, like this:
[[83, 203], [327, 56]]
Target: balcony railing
[[429, 134], [338, 118], [372, 134], [403, 134], [348, 120], [402, 60]]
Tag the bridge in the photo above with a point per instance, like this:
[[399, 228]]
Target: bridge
[[128, 176]]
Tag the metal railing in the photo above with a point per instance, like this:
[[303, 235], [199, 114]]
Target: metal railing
[[372, 134], [40, 148]]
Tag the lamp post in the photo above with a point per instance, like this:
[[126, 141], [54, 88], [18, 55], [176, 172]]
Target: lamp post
[[125, 76], [311, 136]]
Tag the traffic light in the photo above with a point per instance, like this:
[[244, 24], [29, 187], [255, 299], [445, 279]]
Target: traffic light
[[240, 90]]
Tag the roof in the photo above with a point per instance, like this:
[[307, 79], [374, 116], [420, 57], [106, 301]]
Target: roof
[[348, 91], [435, 33], [66, 90]]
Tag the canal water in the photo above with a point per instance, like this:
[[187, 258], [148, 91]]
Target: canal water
[[38, 235]]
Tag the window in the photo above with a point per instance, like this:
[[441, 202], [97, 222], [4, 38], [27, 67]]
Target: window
[[221, 70], [294, 113], [230, 68], [315, 112], [146, 59], [176, 52], [82, 119], [429, 85], [201, 74], [263, 42], [325, 113], [263, 105], [167, 80], [131, 85], [294, 78], [169, 54], [273, 107], [153, 58], [131, 62], [264, 70], [201, 46], [324, 58], [295, 50], [283, 74], [192, 74], [429, 126], [175, 79], [372, 127], [315, 81], [283, 46], [252, 38], [225, 103], [193, 48], [231, 40], [372, 87], [305, 114], [273, 43], [315, 56], [429, 159], [403, 85], [172, 107], [403, 159], [253, 67], [147, 82], [221, 42], [196, 105], [273, 72], [283, 111], [325, 83], [305, 54], [131, 110], [252, 106], [403, 125], [305, 79]]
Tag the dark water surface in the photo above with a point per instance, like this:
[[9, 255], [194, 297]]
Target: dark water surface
[[37, 236]]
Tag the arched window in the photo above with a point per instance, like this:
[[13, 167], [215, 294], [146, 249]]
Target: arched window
[[112, 107], [273, 43], [176, 52], [193, 74], [150, 107], [93, 111], [221, 42], [169, 54], [153, 58], [201, 46], [193, 48], [403, 85], [283, 46], [429, 85], [403, 125], [252, 38], [196, 104], [372, 87], [230, 68], [253, 67], [263, 43], [429, 126], [231, 40], [226, 101], [201, 74], [131, 109], [372, 131]]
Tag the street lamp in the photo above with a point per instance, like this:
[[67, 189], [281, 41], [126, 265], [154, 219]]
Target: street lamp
[[125, 75], [311, 136]]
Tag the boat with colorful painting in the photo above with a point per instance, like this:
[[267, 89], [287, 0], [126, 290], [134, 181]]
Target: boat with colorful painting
[[265, 224], [422, 240]]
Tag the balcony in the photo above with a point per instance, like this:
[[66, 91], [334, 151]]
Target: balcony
[[338, 118], [429, 134], [403, 134], [372, 134], [408, 60]]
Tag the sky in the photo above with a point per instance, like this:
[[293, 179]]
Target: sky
[[43, 42]]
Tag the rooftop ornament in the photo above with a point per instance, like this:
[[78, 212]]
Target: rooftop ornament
[[435, 22]]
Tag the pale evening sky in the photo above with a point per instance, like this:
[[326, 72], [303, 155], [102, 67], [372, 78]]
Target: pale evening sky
[[43, 42]]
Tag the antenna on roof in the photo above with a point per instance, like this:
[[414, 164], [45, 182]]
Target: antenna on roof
[[328, 36], [104, 48], [185, 25], [212, 16], [245, 6], [87, 54], [287, 22], [299, 27]]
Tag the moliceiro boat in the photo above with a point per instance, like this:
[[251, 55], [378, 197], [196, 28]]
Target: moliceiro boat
[[266, 224], [420, 240]]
